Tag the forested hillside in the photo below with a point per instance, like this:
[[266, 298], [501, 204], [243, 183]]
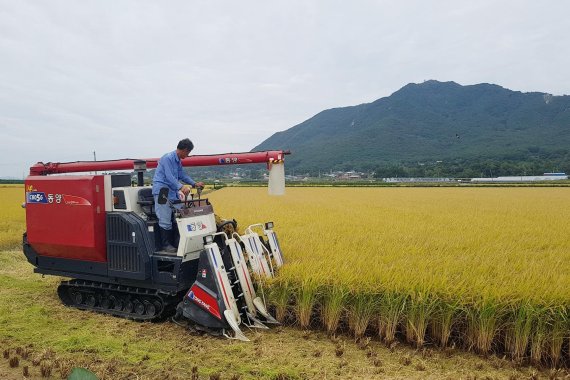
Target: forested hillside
[[436, 128]]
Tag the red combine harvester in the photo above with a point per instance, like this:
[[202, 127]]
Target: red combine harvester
[[102, 233]]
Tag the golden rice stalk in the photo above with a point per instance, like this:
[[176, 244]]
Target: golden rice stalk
[[445, 316], [419, 310], [483, 321], [361, 308], [333, 305], [539, 334], [520, 319], [305, 297], [555, 337], [391, 309], [279, 296]]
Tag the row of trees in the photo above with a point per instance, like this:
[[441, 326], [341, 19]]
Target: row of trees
[[532, 160], [472, 168]]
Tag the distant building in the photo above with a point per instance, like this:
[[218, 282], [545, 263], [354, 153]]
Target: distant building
[[349, 175], [415, 180], [537, 178]]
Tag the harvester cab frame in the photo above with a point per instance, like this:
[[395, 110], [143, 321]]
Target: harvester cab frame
[[102, 233]]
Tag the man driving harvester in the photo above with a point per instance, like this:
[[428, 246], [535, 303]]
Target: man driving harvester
[[169, 173]]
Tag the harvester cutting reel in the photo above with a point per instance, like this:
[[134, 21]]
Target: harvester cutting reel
[[224, 297]]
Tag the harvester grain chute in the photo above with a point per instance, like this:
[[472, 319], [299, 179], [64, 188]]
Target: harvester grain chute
[[102, 233]]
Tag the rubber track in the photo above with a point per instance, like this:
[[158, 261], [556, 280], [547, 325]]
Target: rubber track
[[164, 304]]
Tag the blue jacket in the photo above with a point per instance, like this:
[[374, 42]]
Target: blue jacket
[[169, 173]]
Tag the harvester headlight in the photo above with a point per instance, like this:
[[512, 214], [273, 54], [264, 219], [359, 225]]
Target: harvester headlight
[[208, 239], [269, 225]]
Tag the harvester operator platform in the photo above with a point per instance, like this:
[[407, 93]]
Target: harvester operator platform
[[169, 173]]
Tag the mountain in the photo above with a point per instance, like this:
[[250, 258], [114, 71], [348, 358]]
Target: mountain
[[428, 122]]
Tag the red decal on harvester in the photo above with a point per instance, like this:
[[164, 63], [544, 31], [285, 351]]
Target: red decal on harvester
[[73, 200], [224, 290], [205, 301], [245, 276]]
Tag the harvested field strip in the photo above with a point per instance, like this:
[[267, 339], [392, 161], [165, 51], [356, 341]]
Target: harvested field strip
[[487, 269]]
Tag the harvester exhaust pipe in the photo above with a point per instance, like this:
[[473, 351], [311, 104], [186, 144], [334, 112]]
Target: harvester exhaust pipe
[[140, 167]]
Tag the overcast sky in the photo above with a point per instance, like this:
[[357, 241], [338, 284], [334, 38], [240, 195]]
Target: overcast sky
[[128, 79]]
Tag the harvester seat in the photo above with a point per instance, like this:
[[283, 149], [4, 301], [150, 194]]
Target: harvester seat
[[146, 200]]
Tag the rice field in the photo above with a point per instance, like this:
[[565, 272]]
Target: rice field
[[12, 215], [486, 269]]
